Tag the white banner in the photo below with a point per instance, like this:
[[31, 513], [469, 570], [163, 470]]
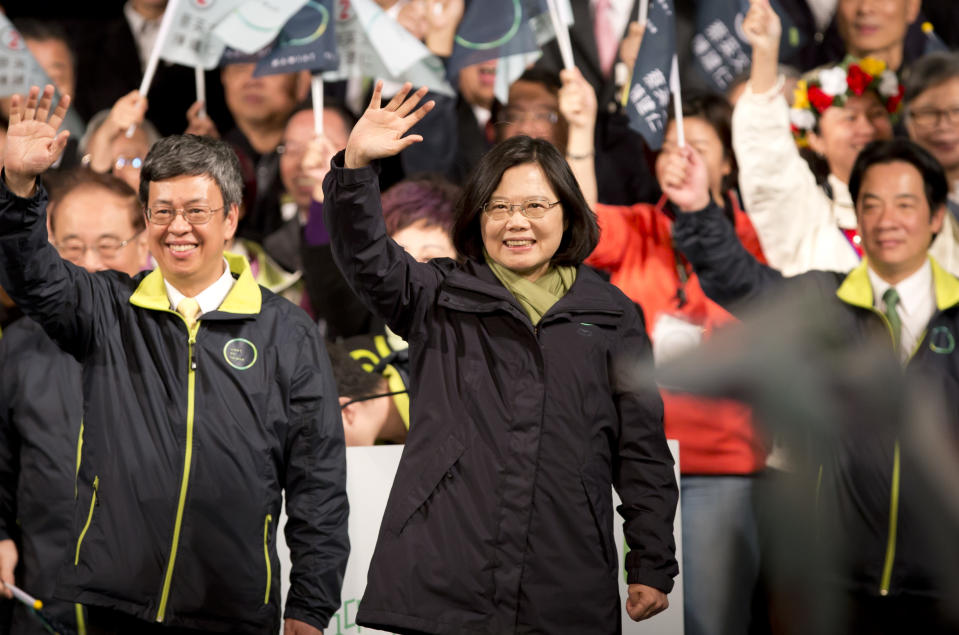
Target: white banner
[[256, 23], [369, 477], [19, 70], [372, 44], [191, 40]]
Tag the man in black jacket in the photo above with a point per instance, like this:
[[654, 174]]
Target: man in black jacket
[[97, 224], [196, 419], [888, 567]]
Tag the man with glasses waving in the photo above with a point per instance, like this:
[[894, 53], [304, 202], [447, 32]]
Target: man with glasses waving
[[205, 396], [96, 223]]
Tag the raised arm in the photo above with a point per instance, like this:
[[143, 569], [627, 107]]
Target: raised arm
[[389, 281], [577, 104], [780, 193], [63, 298], [727, 273]]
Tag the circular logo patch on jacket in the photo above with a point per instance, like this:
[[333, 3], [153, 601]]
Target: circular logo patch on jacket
[[240, 353], [941, 340]]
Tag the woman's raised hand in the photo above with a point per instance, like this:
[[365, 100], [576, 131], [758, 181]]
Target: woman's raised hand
[[379, 132], [33, 144]]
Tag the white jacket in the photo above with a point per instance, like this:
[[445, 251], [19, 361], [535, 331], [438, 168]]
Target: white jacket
[[799, 226]]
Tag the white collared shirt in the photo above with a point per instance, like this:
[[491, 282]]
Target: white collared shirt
[[144, 32], [917, 304], [210, 298]]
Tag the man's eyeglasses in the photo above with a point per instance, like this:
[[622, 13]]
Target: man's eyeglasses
[[376, 396], [501, 209], [73, 249], [930, 117], [195, 215]]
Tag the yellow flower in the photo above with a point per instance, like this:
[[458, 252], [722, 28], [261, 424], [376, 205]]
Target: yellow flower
[[872, 66], [800, 95]]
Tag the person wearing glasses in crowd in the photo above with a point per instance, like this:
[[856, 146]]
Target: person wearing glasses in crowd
[[205, 397], [932, 113], [95, 223], [528, 401], [106, 148]]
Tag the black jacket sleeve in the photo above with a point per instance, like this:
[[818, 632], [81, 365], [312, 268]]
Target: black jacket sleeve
[[643, 466], [388, 280], [315, 482], [71, 304], [728, 274], [9, 449]]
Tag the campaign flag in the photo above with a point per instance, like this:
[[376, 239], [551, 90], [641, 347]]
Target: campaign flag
[[256, 23], [648, 98], [191, 41], [306, 42], [18, 68], [720, 47], [510, 31], [372, 44]]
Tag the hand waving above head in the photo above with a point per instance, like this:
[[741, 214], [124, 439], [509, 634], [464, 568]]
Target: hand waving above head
[[379, 132], [33, 144]]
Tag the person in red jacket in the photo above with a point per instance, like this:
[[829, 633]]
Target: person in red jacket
[[720, 450]]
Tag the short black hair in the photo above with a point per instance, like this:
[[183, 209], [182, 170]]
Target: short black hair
[[582, 231], [892, 150], [928, 71], [193, 155], [352, 380]]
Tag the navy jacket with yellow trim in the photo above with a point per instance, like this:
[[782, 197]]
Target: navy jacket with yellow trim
[[872, 494], [189, 439]]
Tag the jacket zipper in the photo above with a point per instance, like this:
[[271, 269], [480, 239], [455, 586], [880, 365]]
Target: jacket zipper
[[86, 525], [184, 482], [266, 556], [886, 580], [893, 523]]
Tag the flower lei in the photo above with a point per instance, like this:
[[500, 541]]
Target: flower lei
[[827, 87]]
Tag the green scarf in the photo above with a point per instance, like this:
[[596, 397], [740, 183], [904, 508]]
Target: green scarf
[[536, 297]]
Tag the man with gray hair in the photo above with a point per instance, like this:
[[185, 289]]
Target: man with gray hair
[[205, 396]]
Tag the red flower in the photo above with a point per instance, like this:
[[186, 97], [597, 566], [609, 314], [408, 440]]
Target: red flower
[[819, 99], [857, 79], [892, 104]]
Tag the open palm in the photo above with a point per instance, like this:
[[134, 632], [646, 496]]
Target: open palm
[[379, 132], [32, 140]]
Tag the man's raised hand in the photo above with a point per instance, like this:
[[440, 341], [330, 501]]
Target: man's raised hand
[[379, 132], [33, 144]]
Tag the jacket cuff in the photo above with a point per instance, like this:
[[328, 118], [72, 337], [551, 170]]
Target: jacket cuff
[[307, 616], [654, 579], [348, 177]]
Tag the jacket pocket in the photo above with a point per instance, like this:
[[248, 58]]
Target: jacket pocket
[[266, 557], [86, 525], [600, 499], [437, 467]]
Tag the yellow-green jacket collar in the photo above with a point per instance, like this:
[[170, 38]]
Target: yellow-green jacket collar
[[243, 299], [857, 290], [271, 275]]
